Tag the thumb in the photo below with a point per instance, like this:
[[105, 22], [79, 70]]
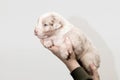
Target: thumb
[[54, 49]]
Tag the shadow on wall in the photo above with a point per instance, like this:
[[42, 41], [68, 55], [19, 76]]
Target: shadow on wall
[[107, 69]]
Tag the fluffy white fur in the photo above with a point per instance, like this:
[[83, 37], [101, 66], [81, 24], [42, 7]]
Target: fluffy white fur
[[52, 29]]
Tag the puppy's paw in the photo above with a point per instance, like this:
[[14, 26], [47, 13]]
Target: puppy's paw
[[65, 55], [48, 44]]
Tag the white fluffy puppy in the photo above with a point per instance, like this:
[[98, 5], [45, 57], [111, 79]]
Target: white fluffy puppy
[[52, 29]]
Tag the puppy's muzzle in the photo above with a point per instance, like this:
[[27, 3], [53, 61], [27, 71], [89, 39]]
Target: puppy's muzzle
[[36, 32]]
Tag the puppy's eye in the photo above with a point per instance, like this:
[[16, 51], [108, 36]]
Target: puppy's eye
[[45, 25]]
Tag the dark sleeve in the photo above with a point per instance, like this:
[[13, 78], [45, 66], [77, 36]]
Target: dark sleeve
[[80, 74]]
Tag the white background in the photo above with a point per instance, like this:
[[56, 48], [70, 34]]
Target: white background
[[22, 57]]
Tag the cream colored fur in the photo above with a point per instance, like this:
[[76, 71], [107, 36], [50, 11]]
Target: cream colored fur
[[52, 29]]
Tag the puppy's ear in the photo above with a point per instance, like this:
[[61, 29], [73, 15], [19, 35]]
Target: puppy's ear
[[57, 25], [57, 21]]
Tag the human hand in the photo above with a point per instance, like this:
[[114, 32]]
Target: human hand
[[56, 50], [71, 63]]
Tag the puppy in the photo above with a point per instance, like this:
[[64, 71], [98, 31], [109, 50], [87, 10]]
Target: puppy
[[52, 29]]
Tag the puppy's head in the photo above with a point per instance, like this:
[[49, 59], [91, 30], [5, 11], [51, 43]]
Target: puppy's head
[[48, 24]]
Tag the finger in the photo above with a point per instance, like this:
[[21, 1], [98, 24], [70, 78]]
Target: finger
[[93, 67], [94, 72], [54, 49]]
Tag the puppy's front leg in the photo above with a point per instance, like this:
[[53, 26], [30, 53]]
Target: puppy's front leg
[[47, 43]]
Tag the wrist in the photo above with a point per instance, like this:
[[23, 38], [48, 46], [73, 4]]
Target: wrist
[[72, 64]]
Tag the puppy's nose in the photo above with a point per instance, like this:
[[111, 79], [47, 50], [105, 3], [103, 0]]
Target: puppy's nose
[[36, 32]]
